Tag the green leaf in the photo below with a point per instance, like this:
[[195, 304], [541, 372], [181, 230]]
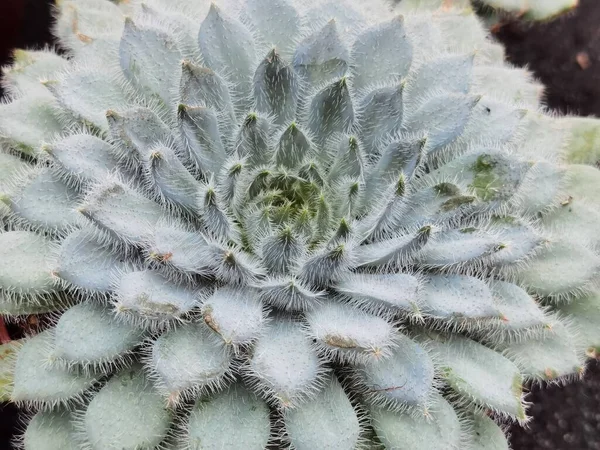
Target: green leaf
[[547, 357], [234, 419], [327, 422], [560, 270], [371, 54], [26, 263], [51, 430], [38, 382], [127, 414], [150, 59], [28, 122], [487, 435], [401, 382], [8, 356], [480, 375], [585, 312], [90, 335], [187, 360], [440, 428]]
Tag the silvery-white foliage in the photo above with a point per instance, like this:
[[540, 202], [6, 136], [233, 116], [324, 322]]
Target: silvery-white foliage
[[280, 223]]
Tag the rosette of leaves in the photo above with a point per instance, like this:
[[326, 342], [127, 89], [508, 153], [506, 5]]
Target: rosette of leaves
[[272, 223]]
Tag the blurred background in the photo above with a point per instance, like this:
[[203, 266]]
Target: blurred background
[[565, 55]]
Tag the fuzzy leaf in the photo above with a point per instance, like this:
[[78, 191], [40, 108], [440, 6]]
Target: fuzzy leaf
[[83, 158], [183, 249], [401, 430], [169, 178], [451, 74], [88, 93], [87, 264], [547, 357], [518, 310], [403, 381], [26, 263], [50, 430], [348, 334], [136, 131], [371, 52], [382, 291], [480, 375], [228, 48], [37, 382], [201, 86], [89, 334], [236, 316], [487, 435], [442, 119], [29, 121], [276, 88], [392, 251], [585, 311], [235, 419], [289, 294], [127, 414], [150, 300], [43, 201], [328, 421], [150, 59], [292, 148], [560, 270], [322, 55], [379, 114], [207, 360], [457, 297], [29, 67], [284, 366], [200, 133], [124, 213], [331, 110], [278, 31], [252, 140], [453, 247]]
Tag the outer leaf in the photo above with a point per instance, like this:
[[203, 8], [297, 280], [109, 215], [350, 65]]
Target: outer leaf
[[35, 381], [326, 422], [26, 263], [207, 361], [150, 59], [127, 414], [440, 429], [51, 430], [227, 48], [371, 52], [89, 334], [235, 419], [87, 264], [283, 365], [150, 300], [403, 381], [481, 375]]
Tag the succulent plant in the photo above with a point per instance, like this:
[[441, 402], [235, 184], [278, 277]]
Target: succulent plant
[[272, 223]]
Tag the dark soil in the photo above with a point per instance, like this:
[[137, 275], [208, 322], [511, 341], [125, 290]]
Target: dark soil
[[565, 55]]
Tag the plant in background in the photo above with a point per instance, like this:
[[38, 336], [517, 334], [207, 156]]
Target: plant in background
[[532, 9], [272, 223]]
